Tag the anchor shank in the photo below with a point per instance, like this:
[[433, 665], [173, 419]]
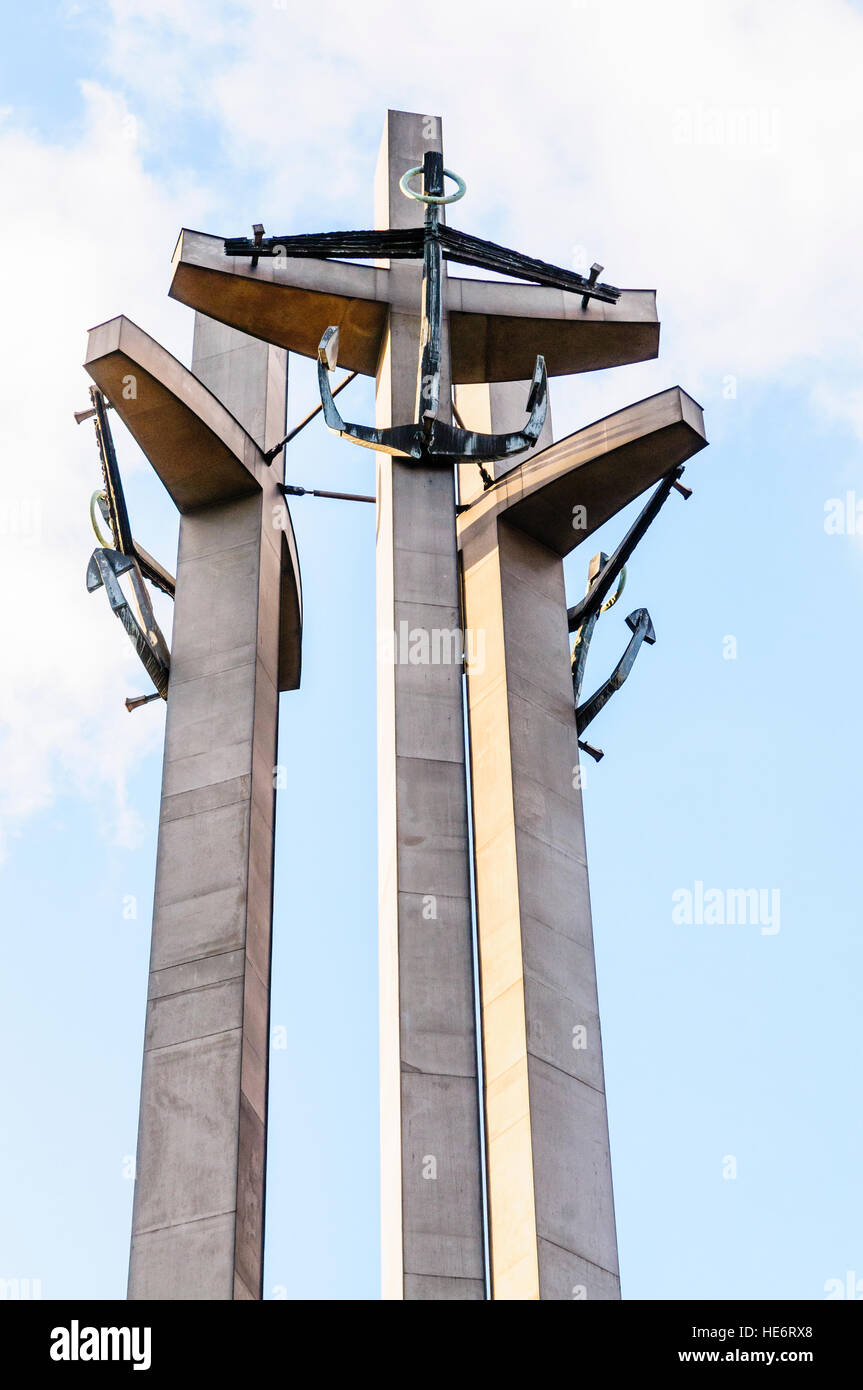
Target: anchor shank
[[118, 515], [579, 660], [582, 643], [598, 593], [428, 384]]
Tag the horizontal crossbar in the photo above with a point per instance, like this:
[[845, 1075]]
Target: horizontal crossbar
[[409, 244]]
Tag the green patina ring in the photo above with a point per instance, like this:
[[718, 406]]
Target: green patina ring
[[621, 583], [94, 523], [432, 197], [609, 603]]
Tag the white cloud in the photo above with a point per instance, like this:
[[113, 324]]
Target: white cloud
[[844, 405], [87, 234], [708, 150]]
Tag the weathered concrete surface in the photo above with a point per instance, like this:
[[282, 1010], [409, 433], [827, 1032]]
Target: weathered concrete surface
[[199, 1195], [432, 1225], [551, 1210]]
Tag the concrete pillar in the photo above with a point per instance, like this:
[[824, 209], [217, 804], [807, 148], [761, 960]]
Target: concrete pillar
[[198, 1218], [551, 1212], [431, 1198]]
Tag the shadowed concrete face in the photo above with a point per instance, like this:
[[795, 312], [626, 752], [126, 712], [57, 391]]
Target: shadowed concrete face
[[600, 469], [551, 1210], [199, 1193]]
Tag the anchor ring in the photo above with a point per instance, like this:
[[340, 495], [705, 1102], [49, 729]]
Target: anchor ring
[[97, 496], [435, 198], [609, 603], [621, 583]]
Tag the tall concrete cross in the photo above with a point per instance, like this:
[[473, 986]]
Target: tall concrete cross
[[549, 1224], [199, 1193], [550, 1204]]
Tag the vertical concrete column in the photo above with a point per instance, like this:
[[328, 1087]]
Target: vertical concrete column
[[431, 1197], [551, 1212], [199, 1197]]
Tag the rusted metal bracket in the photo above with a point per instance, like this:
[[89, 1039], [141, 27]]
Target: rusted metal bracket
[[291, 490], [487, 479], [258, 236], [270, 454]]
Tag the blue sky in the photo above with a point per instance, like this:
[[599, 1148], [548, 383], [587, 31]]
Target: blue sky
[[704, 149]]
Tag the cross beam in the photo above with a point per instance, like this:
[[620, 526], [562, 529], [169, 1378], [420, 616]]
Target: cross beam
[[410, 245], [497, 330]]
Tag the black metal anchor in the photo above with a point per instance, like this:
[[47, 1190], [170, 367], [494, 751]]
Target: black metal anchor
[[583, 616], [428, 436], [109, 563], [106, 567], [641, 627]]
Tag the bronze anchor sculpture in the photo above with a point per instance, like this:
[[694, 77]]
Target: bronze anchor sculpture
[[123, 557], [429, 437], [583, 617]]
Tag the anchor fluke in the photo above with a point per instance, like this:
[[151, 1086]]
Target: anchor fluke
[[105, 567], [405, 440], [432, 438], [641, 616], [328, 350], [640, 625], [583, 616], [537, 401], [136, 614]]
